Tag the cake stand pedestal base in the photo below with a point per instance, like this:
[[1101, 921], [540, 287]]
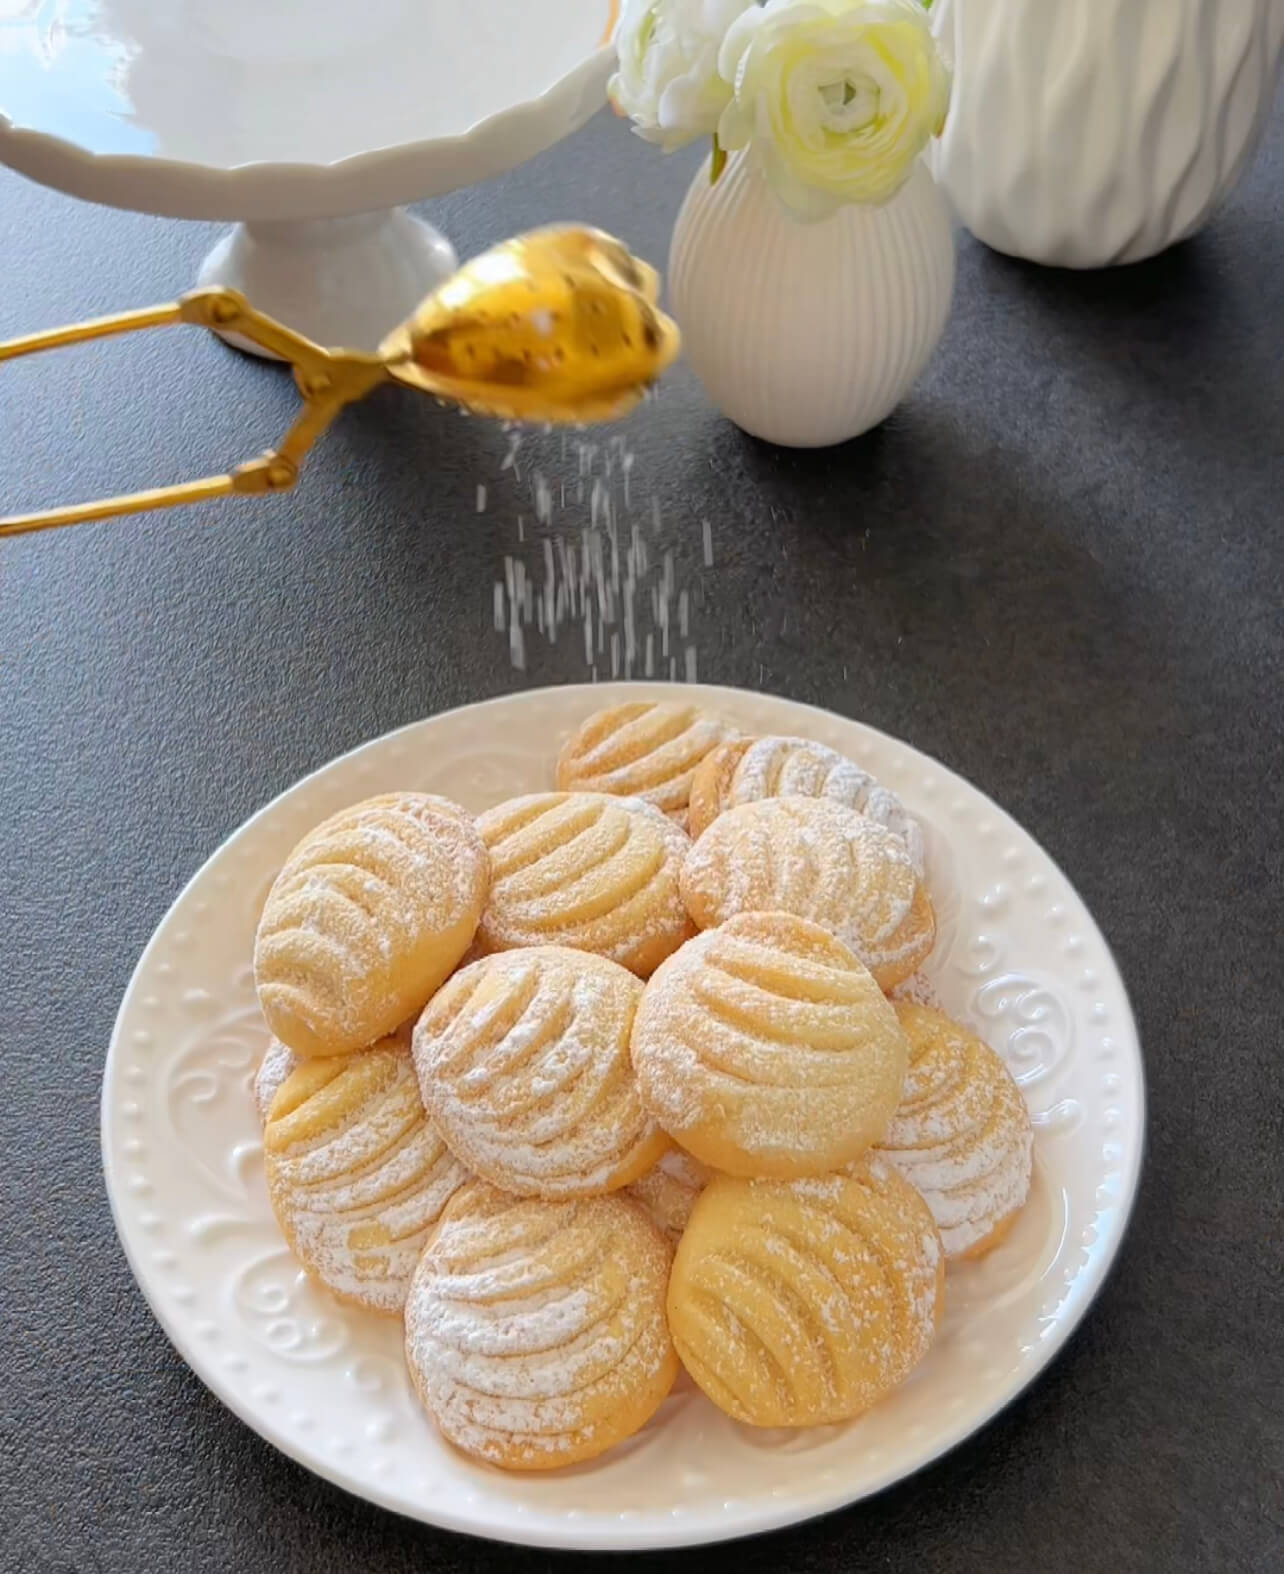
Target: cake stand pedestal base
[[343, 282]]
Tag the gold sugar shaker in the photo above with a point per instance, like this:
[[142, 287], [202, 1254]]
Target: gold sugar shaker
[[559, 325]]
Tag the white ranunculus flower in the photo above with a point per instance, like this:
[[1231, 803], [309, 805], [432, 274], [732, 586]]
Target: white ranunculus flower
[[837, 98], [668, 82]]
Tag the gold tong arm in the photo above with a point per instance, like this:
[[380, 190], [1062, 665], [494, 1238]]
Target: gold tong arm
[[327, 379], [95, 328]]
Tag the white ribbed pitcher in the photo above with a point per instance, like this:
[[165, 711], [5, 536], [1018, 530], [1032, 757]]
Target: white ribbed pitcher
[[808, 334], [1083, 133]]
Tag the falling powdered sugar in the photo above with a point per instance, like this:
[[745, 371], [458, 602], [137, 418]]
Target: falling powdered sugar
[[593, 580]]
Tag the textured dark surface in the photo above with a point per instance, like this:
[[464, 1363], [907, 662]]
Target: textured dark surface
[[1059, 568]]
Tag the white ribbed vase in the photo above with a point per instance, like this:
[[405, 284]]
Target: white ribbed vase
[[1088, 132], [808, 334]]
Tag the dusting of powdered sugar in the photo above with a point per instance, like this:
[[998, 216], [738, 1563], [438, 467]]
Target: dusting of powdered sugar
[[918, 990], [526, 1320], [779, 767], [277, 1064], [669, 1189], [843, 1269], [353, 901], [357, 1200], [913, 1263], [648, 751], [817, 859], [591, 871], [819, 1188], [763, 1039], [962, 1135], [523, 1061]]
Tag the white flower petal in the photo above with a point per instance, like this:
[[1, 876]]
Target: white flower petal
[[839, 97], [737, 40], [668, 81]]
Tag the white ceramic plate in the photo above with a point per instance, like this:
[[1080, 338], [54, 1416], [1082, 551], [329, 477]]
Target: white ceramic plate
[[291, 109], [1018, 955]]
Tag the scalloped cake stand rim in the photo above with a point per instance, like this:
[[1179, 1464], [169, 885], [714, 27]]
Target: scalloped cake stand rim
[[369, 181], [328, 249]]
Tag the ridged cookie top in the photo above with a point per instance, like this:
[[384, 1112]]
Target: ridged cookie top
[[821, 861], [782, 767], [764, 1047], [962, 1134], [523, 1061], [804, 1302], [370, 913], [535, 1331], [641, 750], [356, 1172], [279, 1062], [585, 870]]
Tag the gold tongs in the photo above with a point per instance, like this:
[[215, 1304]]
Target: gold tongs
[[560, 325]]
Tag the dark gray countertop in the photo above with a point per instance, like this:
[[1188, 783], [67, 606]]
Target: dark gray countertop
[[1059, 568]]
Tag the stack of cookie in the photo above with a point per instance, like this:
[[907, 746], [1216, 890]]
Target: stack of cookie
[[608, 1078]]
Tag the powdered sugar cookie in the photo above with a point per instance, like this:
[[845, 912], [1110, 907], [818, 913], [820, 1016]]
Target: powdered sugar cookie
[[764, 1047], [750, 769], [277, 1064], [797, 1303], [535, 1331], [356, 1172], [585, 870], [369, 914], [962, 1134], [711, 784], [523, 1061], [916, 990], [641, 750], [822, 861], [669, 1189]]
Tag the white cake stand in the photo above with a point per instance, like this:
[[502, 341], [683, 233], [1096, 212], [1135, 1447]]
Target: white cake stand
[[308, 122]]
